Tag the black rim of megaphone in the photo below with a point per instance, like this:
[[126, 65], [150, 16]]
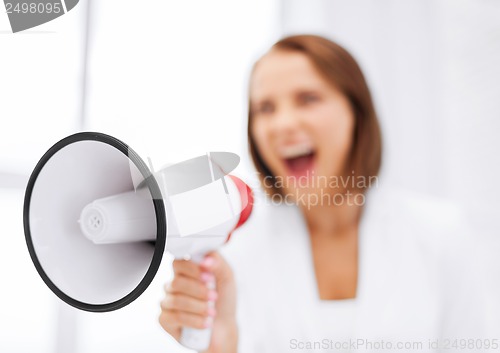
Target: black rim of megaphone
[[159, 210]]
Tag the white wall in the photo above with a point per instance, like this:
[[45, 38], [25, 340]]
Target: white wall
[[41, 73], [173, 83]]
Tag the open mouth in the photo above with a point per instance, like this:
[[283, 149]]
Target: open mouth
[[299, 160]]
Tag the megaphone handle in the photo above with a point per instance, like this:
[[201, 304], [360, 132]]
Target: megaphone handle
[[197, 339]]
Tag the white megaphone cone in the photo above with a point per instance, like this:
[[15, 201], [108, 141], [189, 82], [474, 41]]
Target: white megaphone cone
[[95, 219]]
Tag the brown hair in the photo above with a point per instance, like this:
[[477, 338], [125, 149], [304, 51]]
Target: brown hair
[[340, 69]]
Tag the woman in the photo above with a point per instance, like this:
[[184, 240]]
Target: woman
[[326, 260]]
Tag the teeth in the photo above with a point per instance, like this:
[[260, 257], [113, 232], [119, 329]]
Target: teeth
[[296, 151]]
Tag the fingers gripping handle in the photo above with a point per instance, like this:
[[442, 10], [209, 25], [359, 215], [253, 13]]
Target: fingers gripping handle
[[198, 339]]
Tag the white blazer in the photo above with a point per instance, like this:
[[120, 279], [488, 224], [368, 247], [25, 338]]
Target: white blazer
[[416, 289]]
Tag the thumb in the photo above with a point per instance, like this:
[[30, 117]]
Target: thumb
[[214, 263]]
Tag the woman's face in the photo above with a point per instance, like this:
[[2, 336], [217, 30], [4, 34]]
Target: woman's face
[[302, 126]]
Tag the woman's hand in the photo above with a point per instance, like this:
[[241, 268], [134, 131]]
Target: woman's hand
[[189, 301]]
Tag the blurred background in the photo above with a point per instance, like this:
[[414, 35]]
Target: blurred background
[[170, 77]]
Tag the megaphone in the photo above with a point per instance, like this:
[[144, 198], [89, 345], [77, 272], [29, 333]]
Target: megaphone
[[96, 219]]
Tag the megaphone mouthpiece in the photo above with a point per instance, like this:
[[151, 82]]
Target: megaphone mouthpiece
[[122, 218]]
